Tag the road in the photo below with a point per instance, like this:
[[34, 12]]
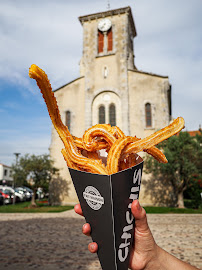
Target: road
[[53, 241]]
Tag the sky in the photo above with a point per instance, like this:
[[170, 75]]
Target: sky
[[48, 33]]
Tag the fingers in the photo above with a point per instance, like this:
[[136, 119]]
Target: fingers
[[140, 216], [86, 229], [78, 210], [93, 247]]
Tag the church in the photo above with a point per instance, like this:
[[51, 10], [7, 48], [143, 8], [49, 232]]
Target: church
[[110, 89]]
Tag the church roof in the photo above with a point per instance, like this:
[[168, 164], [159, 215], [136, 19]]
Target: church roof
[[112, 12], [133, 70], [68, 83], [148, 73]]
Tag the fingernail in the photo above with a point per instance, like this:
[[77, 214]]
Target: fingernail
[[92, 247], [83, 228]]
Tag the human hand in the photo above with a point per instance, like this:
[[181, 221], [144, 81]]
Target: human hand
[[144, 251]]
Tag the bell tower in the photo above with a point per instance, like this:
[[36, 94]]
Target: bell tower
[[110, 89], [107, 56]]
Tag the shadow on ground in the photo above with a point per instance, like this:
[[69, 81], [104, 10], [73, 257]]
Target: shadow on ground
[[52, 243]]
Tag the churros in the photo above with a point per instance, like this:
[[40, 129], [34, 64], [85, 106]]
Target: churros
[[95, 166], [155, 138], [102, 131], [84, 153]]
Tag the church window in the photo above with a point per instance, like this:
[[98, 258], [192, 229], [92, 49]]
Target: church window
[[100, 41], [101, 114], [68, 119], [112, 115], [148, 115], [110, 40], [105, 41], [105, 72]]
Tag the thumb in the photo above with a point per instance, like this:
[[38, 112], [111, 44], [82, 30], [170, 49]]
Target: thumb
[[139, 214]]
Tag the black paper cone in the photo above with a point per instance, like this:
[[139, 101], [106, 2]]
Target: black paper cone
[[106, 204]]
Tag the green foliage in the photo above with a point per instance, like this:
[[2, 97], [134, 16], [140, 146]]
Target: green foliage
[[38, 168], [199, 151], [184, 154], [193, 193], [19, 175]]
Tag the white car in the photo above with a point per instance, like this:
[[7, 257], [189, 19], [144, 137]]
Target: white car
[[15, 195]]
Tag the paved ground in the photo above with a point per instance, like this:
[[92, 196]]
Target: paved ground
[[54, 241]]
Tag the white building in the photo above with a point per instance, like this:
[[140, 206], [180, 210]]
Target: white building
[[6, 175]]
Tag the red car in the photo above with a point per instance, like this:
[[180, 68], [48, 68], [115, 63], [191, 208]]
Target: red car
[[6, 197]]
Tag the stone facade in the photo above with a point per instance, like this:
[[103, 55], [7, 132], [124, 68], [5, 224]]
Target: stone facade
[[110, 77]]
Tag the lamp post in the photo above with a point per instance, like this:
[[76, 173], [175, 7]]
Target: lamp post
[[16, 156], [16, 163]]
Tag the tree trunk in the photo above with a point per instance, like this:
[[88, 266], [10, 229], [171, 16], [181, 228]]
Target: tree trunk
[[180, 200], [33, 202]]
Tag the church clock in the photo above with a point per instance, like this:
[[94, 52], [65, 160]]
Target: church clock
[[104, 25]]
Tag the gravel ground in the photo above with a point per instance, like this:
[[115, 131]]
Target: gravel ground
[[54, 241]]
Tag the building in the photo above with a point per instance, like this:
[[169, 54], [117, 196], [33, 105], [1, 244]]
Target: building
[[5, 175], [110, 88]]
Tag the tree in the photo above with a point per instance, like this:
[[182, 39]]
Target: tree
[[39, 168], [184, 160]]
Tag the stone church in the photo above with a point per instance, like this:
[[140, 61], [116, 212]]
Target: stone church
[[110, 88]]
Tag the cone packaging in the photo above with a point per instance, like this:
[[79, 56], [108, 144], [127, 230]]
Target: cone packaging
[[106, 204]]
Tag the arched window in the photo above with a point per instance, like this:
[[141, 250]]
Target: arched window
[[148, 115], [110, 40], [100, 41], [101, 115], [68, 119], [112, 115]]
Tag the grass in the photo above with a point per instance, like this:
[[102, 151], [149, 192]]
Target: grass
[[170, 210], [43, 207], [24, 208]]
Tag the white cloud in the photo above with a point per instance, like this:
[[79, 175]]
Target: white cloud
[[49, 34]]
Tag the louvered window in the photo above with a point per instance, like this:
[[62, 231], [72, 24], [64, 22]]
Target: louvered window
[[110, 40], [148, 115], [112, 115], [101, 115], [68, 119], [100, 42]]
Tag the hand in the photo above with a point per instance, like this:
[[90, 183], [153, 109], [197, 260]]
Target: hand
[[146, 254], [145, 247]]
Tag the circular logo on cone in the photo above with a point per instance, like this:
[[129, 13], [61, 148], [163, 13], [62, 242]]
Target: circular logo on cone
[[93, 197]]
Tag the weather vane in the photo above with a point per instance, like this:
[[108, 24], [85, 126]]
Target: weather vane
[[108, 5]]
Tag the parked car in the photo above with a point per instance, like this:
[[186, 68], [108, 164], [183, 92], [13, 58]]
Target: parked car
[[19, 196], [27, 193], [22, 192], [6, 196], [16, 196], [1, 199], [29, 190]]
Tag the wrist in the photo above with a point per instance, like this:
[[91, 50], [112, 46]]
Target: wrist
[[155, 261]]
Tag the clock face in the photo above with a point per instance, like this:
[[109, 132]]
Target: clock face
[[104, 25]]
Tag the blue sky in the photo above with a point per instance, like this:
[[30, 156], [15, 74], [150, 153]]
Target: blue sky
[[48, 33]]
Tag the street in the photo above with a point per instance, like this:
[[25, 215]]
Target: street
[[52, 241]]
